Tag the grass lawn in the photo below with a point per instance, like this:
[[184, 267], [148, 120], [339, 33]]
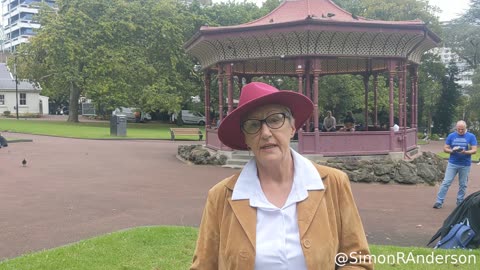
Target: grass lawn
[[475, 158], [171, 248], [91, 130]]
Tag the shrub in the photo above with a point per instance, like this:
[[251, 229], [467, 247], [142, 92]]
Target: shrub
[[435, 137], [6, 113]]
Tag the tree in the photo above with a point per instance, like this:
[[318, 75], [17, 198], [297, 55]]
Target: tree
[[463, 35], [116, 52], [431, 73], [445, 110]]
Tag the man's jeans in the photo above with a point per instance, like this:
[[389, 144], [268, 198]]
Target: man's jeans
[[450, 173]]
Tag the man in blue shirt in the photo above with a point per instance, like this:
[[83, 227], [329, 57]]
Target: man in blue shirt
[[461, 145]]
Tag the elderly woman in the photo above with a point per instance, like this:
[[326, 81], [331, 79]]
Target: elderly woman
[[281, 211]]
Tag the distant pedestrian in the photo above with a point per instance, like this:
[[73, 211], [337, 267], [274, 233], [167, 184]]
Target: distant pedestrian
[[461, 145]]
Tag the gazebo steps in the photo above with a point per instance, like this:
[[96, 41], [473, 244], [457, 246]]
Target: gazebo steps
[[238, 159]]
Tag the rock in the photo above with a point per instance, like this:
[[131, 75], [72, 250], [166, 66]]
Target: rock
[[406, 173], [200, 155], [365, 175], [383, 169], [383, 179], [428, 173]]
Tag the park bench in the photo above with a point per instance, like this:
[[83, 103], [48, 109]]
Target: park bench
[[185, 132]]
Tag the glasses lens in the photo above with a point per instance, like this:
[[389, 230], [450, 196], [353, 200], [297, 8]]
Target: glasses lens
[[275, 120], [251, 126]]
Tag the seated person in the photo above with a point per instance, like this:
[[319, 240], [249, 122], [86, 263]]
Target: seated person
[[214, 123], [348, 122], [329, 123]]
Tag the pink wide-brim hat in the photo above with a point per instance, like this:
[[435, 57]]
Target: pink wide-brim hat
[[257, 94]]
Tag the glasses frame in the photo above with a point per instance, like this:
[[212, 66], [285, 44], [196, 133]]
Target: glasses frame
[[264, 120]]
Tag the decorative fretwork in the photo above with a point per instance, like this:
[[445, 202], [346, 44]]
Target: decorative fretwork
[[274, 48]]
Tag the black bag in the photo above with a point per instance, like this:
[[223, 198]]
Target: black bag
[[458, 237], [468, 209]]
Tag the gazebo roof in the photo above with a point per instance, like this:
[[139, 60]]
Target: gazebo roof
[[310, 28]]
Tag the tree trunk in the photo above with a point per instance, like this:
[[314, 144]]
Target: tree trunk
[[74, 97]]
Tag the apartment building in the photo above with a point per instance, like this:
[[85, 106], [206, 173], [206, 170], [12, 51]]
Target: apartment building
[[18, 22], [465, 72]]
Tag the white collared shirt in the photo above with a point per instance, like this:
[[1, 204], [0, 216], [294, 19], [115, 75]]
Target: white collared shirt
[[278, 238]]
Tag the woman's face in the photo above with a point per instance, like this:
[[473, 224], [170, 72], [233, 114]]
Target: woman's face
[[269, 143]]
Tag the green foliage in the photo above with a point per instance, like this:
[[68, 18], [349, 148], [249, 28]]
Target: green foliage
[[472, 109], [463, 37], [445, 108], [171, 248], [115, 52], [394, 10], [340, 94], [435, 137], [90, 130], [431, 73], [6, 113]]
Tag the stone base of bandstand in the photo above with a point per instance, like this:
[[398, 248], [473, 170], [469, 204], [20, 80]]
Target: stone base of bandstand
[[415, 167]]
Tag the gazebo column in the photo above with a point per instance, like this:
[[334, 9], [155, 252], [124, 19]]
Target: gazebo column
[[400, 96], [391, 74], [220, 92], [229, 75], [414, 79], [308, 90], [403, 90], [404, 93], [375, 100], [300, 70], [207, 83], [317, 69], [365, 84]]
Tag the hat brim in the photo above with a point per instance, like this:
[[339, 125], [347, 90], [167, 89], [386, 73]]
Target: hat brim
[[230, 132]]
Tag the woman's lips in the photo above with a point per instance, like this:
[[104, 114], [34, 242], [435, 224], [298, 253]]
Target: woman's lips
[[268, 146]]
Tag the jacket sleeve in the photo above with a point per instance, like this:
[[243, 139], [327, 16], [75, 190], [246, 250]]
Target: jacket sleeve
[[207, 249], [352, 240]]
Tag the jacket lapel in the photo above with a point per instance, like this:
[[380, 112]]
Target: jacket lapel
[[247, 217], [245, 214], [307, 208]]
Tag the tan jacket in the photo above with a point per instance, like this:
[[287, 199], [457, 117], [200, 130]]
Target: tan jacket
[[328, 223]]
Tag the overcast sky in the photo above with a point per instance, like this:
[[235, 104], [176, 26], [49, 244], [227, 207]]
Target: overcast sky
[[450, 8]]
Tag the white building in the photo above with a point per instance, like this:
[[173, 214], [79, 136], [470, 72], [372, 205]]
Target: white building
[[29, 99], [18, 21], [465, 72]]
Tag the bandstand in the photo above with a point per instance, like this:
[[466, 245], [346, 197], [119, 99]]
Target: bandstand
[[309, 39]]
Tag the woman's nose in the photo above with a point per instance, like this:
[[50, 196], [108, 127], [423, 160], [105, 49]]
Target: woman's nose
[[265, 130]]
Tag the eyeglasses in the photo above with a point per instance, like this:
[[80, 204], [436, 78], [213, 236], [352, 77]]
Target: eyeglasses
[[273, 121]]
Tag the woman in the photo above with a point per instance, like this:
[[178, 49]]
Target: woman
[[281, 211]]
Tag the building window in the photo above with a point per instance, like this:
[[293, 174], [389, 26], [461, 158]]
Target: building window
[[2, 99], [23, 99]]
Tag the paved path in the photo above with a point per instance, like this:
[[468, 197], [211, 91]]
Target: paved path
[[76, 189]]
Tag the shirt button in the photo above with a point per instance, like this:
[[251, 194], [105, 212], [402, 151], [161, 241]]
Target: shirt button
[[307, 243]]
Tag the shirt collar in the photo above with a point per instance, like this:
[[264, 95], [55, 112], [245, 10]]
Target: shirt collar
[[305, 178]]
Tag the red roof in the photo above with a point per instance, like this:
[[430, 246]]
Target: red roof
[[319, 10]]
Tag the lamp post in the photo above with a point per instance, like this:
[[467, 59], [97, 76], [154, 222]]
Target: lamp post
[[16, 84]]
